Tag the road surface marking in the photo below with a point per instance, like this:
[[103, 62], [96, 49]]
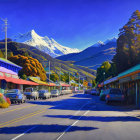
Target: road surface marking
[[72, 125], [17, 109], [64, 131], [22, 118], [23, 133]]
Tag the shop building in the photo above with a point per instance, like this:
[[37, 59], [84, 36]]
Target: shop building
[[129, 82], [9, 76]]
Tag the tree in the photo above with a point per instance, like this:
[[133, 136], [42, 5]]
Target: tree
[[102, 72], [54, 77], [128, 44], [1, 54], [93, 83], [30, 66]]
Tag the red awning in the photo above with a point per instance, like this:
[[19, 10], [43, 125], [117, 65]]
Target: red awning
[[2, 77], [51, 84], [65, 85], [20, 81]]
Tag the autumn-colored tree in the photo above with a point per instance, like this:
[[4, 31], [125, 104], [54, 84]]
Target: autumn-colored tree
[[85, 83], [31, 66]]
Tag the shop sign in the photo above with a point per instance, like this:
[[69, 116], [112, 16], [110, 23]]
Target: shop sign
[[7, 75], [126, 79], [15, 76], [1, 74]]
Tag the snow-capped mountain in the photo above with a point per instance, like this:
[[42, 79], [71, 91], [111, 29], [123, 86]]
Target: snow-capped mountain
[[49, 46]]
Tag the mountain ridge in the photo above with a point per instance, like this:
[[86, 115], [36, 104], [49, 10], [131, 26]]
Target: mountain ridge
[[93, 55]]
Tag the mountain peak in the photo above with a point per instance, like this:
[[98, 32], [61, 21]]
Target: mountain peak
[[111, 40], [50, 46]]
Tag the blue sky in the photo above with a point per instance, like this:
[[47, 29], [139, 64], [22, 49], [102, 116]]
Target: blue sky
[[73, 23]]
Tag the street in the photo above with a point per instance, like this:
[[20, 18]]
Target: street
[[79, 116]]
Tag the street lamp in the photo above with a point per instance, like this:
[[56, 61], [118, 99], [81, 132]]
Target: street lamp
[[104, 75]]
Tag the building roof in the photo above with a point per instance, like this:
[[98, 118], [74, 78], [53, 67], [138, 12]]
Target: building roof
[[133, 70], [9, 62], [110, 80], [5, 70], [34, 79]]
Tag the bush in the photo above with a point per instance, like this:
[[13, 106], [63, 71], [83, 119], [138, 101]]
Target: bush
[[4, 102], [8, 101], [4, 105]]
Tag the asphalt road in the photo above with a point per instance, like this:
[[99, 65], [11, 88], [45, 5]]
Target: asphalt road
[[69, 117]]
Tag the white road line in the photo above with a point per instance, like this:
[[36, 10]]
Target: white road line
[[72, 125], [24, 133], [62, 133]]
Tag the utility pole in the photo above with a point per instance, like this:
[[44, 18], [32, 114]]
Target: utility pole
[[60, 78], [69, 78], [49, 76], [79, 82], [5, 30]]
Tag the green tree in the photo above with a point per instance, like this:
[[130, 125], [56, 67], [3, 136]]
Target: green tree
[[54, 77], [93, 83], [128, 44], [102, 72], [1, 54]]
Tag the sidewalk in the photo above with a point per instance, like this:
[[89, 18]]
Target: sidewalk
[[131, 110]]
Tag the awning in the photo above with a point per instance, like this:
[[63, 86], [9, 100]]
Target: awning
[[110, 80], [51, 84], [65, 85], [20, 81], [132, 71], [38, 81]]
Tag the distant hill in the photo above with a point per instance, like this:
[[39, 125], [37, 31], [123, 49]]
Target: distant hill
[[45, 44], [66, 66], [93, 56]]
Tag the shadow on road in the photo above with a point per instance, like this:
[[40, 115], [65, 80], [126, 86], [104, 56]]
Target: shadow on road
[[97, 118], [42, 129], [76, 101]]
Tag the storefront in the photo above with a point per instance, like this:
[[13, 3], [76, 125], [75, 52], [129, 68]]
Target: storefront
[[9, 76], [129, 82]]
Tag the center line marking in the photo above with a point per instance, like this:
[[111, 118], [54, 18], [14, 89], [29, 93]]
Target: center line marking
[[72, 125]]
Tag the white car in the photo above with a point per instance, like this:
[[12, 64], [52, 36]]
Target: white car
[[31, 93], [55, 93], [44, 94], [64, 92]]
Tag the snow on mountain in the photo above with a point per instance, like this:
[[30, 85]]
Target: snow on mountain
[[100, 43], [49, 46], [114, 39]]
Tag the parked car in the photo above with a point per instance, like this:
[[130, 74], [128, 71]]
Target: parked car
[[114, 94], [64, 92], [44, 94], [55, 93], [31, 93], [15, 95], [87, 91], [103, 94], [93, 91]]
